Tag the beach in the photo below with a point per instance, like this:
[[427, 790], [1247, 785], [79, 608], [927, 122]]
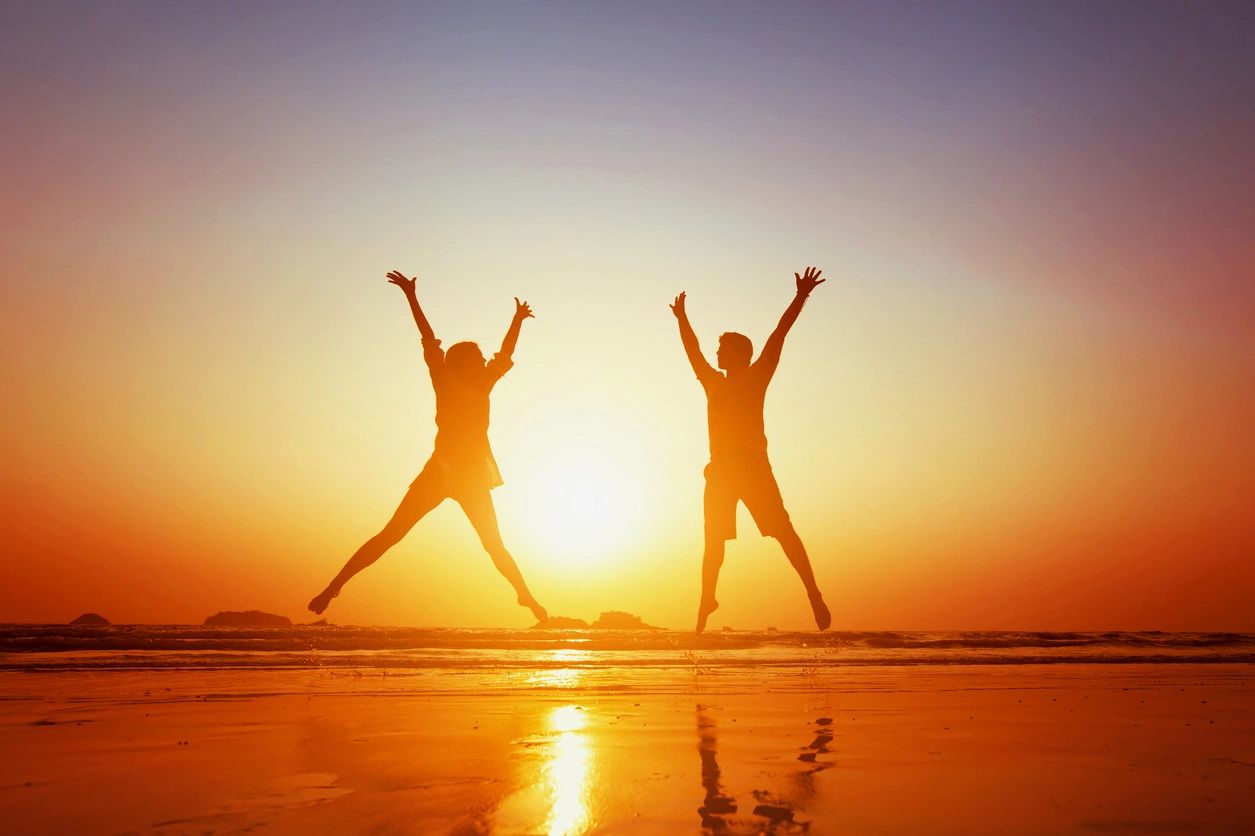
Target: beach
[[565, 418], [570, 740]]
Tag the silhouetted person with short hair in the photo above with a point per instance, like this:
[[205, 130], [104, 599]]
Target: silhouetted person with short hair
[[717, 807], [462, 466], [739, 470]]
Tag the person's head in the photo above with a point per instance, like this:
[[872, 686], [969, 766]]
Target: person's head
[[464, 358], [735, 351]]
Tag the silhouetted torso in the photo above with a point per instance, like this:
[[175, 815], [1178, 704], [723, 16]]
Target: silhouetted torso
[[734, 412], [462, 416]]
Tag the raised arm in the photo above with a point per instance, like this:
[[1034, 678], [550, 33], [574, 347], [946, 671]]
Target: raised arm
[[409, 287], [807, 282], [503, 360], [522, 311], [692, 349]]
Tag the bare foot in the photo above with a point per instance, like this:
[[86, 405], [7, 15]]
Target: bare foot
[[320, 601], [822, 617], [542, 615], [703, 612]]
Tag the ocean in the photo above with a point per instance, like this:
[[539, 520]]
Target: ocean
[[33, 647]]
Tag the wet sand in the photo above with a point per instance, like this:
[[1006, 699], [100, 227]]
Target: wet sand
[[943, 749]]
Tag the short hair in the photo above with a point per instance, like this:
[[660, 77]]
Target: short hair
[[738, 345]]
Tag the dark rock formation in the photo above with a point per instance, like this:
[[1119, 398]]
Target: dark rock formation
[[562, 622], [91, 619], [617, 620], [248, 618]]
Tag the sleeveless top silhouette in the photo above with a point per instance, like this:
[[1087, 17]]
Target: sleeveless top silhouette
[[462, 452]]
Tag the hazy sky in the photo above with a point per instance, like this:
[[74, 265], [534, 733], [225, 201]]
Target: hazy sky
[[1024, 399]]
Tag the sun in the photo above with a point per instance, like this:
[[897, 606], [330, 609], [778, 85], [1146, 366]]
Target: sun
[[585, 503]]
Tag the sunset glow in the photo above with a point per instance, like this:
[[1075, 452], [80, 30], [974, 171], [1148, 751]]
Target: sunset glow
[[655, 418], [1022, 399]]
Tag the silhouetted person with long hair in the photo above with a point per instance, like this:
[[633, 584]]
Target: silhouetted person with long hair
[[739, 470], [462, 467]]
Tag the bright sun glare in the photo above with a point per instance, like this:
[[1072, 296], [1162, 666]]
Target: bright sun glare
[[585, 503]]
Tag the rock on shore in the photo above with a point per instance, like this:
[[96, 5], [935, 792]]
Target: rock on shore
[[247, 618]]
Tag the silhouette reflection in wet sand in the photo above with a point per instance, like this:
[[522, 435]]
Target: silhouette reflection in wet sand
[[462, 466], [716, 807], [739, 470], [771, 813]]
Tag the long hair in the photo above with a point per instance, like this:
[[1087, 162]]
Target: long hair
[[464, 356]]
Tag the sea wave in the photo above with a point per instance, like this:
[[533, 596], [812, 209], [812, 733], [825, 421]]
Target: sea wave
[[45, 647]]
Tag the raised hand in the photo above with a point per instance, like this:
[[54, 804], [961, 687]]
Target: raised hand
[[808, 281], [522, 310], [399, 279], [677, 307]]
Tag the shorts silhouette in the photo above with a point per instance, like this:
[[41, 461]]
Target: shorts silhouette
[[746, 479]]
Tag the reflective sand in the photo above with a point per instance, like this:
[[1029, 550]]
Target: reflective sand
[[962, 749]]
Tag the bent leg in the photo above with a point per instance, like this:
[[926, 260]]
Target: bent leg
[[796, 553], [763, 499], [424, 494], [712, 562], [483, 516]]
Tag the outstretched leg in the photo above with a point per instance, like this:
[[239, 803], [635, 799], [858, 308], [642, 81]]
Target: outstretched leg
[[712, 562], [796, 553], [483, 516], [423, 495]]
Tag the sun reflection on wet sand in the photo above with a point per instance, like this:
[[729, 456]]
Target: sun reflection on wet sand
[[560, 677], [568, 771], [570, 655], [557, 802]]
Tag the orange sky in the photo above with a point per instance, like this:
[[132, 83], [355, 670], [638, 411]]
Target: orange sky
[[1023, 399]]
